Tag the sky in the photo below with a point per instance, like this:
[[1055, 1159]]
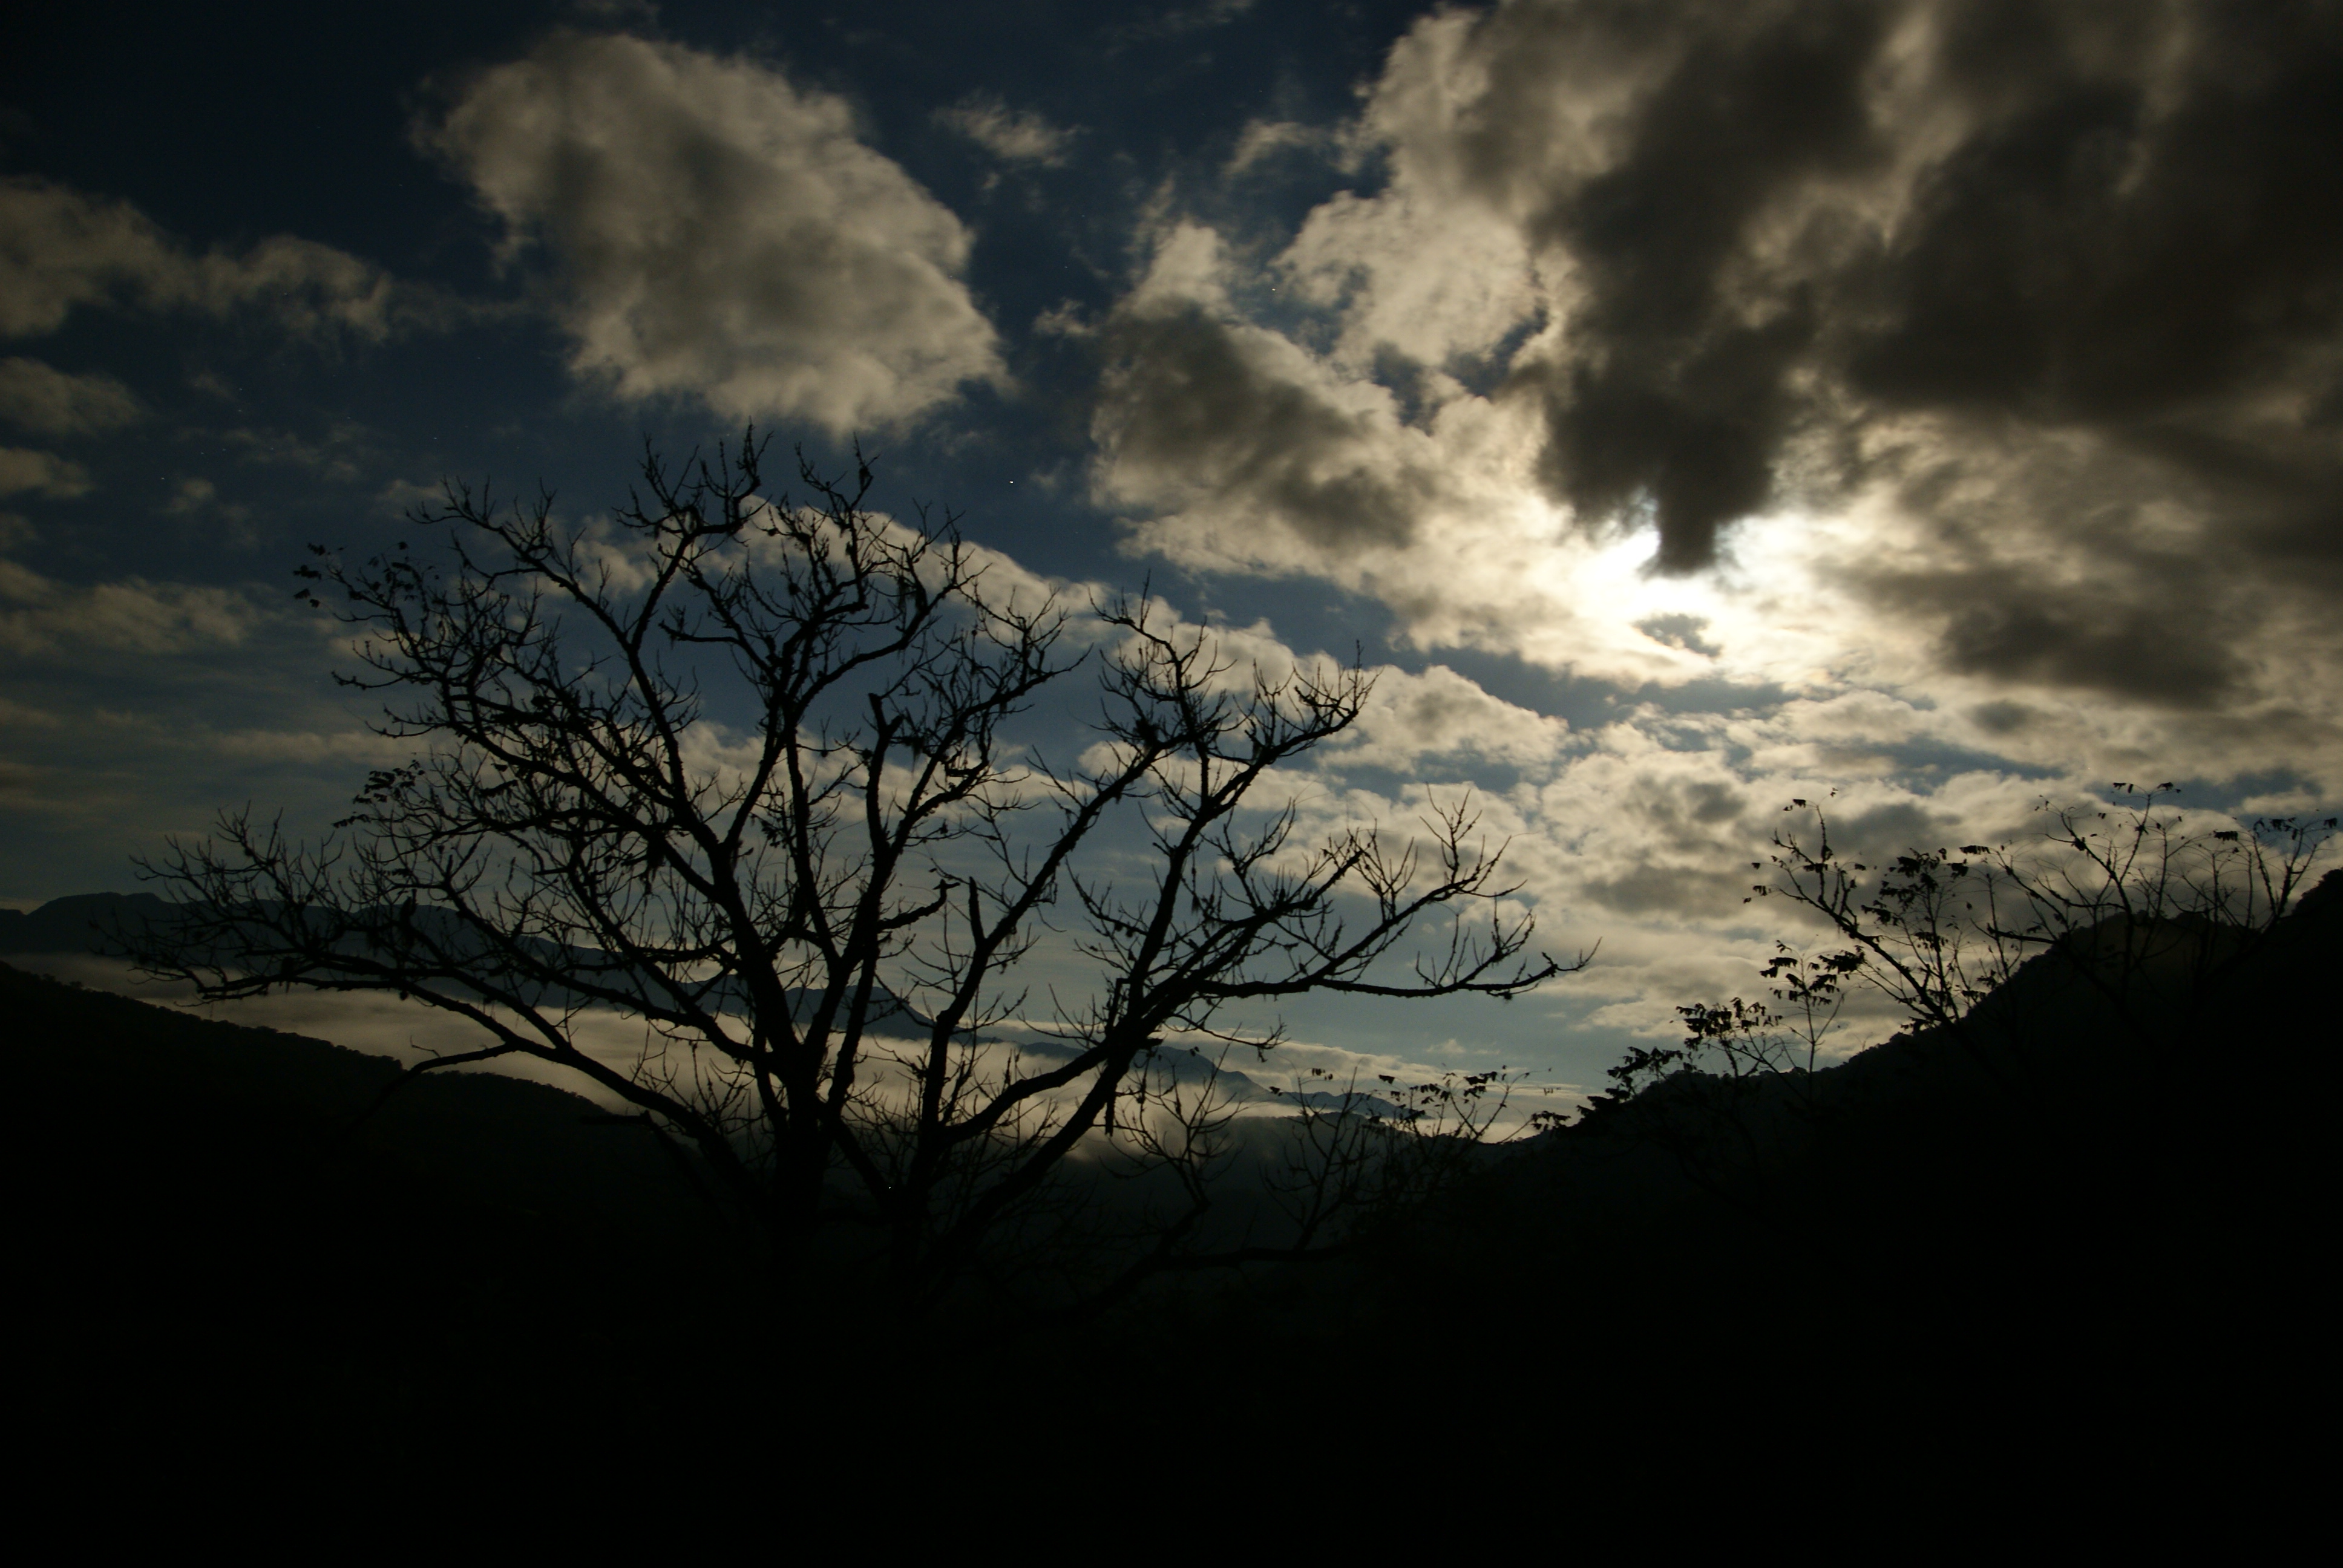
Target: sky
[[1684, 406]]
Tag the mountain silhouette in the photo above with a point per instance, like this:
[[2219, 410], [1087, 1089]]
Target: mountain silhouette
[[105, 923], [79, 923], [2112, 1203], [224, 1218]]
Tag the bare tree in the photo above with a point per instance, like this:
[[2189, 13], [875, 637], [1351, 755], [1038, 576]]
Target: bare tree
[[741, 769]]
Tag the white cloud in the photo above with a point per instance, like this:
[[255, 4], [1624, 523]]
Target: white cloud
[[1434, 279], [376, 1024], [53, 402], [411, 1031], [61, 250], [1410, 718], [719, 233]]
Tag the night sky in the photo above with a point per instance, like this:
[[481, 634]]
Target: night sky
[[1688, 406]]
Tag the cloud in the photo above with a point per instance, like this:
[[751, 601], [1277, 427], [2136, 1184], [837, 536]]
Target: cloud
[[61, 250], [1643, 827], [1809, 345], [376, 1024], [1410, 718], [1178, 21], [53, 402], [196, 497], [1676, 391], [309, 746], [41, 474], [1435, 282], [192, 496], [715, 232], [1759, 225], [1235, 437], [2021, 631], [19, 715], [343, 454], [1012, 135], [131, 616], [1263, 141], [1230, 445]]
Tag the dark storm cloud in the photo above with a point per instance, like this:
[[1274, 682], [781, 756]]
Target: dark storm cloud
[[1807, 219], [1655, 888], [2151, 647], [1686, 854], [2002, 718], [2142, 242], [1195, 403], [1679, 395], [1881, 831], [2092, 573], [2116, 243]]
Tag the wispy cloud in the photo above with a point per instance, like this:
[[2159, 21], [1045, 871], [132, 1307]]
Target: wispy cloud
[[1178, 21], [26, 472], [51, 402], [61, 251], [1012, 135], [131, 615]]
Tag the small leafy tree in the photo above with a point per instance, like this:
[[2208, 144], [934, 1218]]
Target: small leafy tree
[[1749, 1039], [2131, 902], [740, 771], [2126, 914], [1740, 1062]]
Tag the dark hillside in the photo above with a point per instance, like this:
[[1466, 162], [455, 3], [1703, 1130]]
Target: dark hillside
[[76, 924], [2056, 1208], [212, 1215], [2102, 1211], [227, 1219], [117, 923]]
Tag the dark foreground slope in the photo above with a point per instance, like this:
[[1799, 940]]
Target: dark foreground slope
[[2058, 1208], [2055, 1211], [212, 1223]]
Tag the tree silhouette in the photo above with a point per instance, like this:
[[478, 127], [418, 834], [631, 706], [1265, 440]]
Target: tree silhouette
[[2132, 902], [2109, 924], [740, 769]]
